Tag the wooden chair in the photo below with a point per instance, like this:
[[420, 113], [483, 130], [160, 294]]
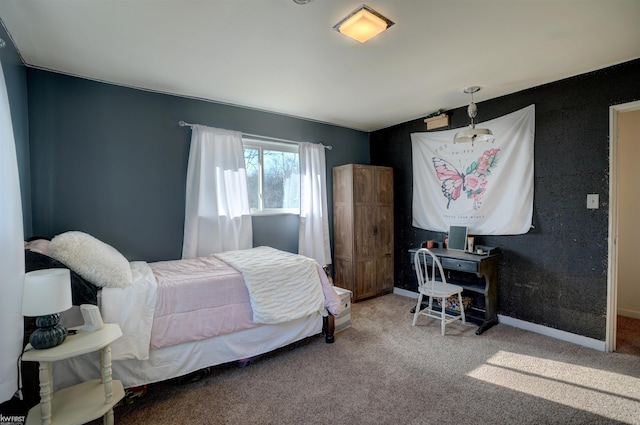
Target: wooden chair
[[439, 289]]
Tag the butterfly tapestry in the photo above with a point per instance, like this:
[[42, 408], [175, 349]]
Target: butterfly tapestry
[[473, 181], [486, 186]]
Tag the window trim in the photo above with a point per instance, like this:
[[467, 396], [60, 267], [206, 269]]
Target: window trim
[[261, 145]]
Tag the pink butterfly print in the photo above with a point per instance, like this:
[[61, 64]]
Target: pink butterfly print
[[473, 180], [452, 179]]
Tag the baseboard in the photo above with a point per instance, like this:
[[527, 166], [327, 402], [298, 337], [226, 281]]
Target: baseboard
[[405, 293], [554, 333], [532, 327], [629, 313]]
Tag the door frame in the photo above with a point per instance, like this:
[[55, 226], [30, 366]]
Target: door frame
[[612, 273]]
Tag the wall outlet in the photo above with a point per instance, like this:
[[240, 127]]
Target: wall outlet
[[593, 201]]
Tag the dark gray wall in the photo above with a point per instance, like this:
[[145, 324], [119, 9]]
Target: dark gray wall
[[15, 76], [556, 274], [112, 161]]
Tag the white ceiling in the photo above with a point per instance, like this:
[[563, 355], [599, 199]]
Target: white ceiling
[[279, 56]]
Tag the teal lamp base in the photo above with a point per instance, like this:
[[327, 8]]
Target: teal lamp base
[[48, 333]]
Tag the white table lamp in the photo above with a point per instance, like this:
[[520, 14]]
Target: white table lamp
[[47, 293]]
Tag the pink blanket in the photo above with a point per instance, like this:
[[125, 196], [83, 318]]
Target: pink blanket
[[197, 299]]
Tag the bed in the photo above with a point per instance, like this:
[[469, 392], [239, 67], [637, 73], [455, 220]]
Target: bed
[[181, 316]]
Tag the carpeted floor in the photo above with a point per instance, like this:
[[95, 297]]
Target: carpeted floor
[[382, 370]]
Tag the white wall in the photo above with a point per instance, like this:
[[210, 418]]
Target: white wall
[[629, 214]]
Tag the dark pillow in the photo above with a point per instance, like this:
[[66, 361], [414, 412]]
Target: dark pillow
[[82, 292]]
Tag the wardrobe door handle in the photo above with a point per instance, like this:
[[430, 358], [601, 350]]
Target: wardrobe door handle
[[375, 230]]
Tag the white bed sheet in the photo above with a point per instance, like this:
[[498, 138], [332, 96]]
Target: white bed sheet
[[133, 309]]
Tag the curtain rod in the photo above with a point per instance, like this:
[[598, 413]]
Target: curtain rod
[[275, 139]]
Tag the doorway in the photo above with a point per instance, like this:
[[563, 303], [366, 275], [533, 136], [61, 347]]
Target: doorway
[[623, 290]]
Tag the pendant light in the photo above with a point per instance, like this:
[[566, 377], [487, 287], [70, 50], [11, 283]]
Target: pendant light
[[473, 134]]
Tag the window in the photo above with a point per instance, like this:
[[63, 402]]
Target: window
[[273, 177]]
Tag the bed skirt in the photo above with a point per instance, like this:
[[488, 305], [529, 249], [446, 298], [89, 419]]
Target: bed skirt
[[172, 362]]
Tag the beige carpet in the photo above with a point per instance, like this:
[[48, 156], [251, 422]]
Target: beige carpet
[[384, 371]]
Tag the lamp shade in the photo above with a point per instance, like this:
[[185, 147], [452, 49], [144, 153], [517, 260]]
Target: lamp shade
[[473, 135], [46, 292]]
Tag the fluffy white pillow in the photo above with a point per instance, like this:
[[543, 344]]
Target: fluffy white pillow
[[94, 260]]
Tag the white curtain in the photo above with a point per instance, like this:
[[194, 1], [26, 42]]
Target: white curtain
[[217, 214], [313, 240], [11, 253]]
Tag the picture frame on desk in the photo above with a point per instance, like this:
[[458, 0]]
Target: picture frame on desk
[[457, 238]]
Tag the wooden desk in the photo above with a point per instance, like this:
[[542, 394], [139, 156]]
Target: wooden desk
[[478, 275]]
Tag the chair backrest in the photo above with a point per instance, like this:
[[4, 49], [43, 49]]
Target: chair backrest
[[421, 259]]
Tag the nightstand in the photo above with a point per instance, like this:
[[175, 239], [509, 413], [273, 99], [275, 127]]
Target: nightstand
[[80, 403], [343, 320]]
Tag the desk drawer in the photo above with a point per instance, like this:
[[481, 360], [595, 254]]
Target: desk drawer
[[462, 265]]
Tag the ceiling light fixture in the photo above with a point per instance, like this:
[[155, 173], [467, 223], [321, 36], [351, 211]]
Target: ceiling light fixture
[[473, 134], [363, 24]]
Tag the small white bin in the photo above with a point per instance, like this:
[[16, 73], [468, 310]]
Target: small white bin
[[343, 320]]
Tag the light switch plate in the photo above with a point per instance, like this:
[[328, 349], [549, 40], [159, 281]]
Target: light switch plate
[[593, 201]]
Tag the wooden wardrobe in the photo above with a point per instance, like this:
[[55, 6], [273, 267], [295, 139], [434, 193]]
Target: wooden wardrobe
[[363, 229]]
